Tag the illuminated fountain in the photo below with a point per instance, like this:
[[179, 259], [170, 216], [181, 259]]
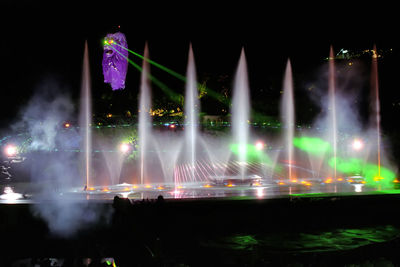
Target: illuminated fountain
[[176, 160], [180, 160], [240, 112], [287, 114], [191, 113], [144, 118], [86, 117]]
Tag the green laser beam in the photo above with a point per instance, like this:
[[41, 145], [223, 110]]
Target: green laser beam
[[181, 77], [173, 73], [172, 95]]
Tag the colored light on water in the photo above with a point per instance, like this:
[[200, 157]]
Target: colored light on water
[[313, 145]]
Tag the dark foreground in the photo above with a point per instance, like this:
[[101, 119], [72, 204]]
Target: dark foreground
[[322, 230]]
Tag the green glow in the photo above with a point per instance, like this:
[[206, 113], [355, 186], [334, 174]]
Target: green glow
[[312, 145], [172, 95], [252, 153], [173, 73], [181, 77], [355, 166], [351, 166]]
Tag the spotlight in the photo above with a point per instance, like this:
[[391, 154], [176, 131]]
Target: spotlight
[[11, 150]]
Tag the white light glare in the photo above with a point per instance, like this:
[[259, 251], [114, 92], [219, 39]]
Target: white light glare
[[357, 144], [124, 147], [11, 150]]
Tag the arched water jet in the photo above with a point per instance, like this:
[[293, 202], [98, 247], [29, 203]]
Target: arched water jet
[[144, 115], [332, 108], [287, 114], [375, 106], [85, 117], [191, 112], [240, 111]]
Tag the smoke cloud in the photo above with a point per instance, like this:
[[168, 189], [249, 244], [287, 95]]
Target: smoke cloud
[[55, 165]]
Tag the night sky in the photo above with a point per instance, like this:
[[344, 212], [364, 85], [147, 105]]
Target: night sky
[[44, 41]]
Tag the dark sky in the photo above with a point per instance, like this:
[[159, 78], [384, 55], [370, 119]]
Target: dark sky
[[42, 40]]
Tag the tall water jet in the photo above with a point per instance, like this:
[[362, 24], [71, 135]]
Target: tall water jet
[[85, 117], [287, 114], [191, 111], [375, 106], [144, 114], [240, 111], [332, 108]]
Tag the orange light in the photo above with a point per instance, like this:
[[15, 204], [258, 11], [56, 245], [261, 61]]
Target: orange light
[[90, 189], [340, 179], [256, 184], [363, 182], [396, 181], [328, 180], [294, 181], [350, 180], [303, 182], [281, 183], [147, 186], [308, 184], [179, 187], [134, 186], [207, 185], [126, 189], [105, 189], [230, 185], [160, 187]]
